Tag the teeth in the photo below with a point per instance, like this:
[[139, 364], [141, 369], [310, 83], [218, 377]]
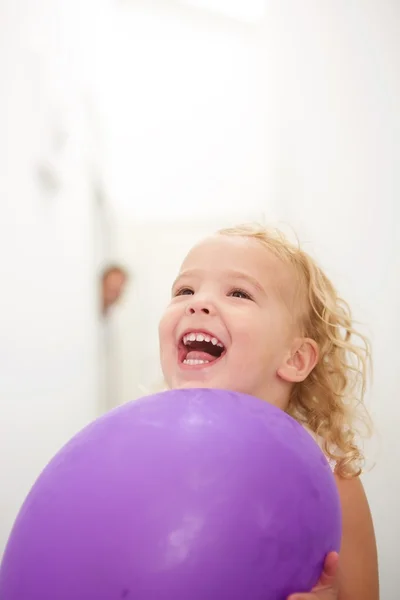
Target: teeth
[[194, 361], [201, 337]]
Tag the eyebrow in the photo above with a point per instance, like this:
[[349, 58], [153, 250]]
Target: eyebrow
[[234, 274]]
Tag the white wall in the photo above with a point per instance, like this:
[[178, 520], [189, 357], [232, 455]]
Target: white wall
[[176, 88], [48, 328], [297, 118]]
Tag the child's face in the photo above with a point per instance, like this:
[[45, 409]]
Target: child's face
[[228, 324]]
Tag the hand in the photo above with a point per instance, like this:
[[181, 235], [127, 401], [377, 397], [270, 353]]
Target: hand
[[327, 586]]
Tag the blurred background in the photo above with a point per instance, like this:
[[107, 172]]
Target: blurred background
[[131, 128]]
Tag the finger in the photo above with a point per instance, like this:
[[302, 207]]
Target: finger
[[311, 596], [329, 573], [327, 580]]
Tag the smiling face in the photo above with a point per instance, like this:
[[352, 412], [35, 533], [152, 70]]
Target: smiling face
[[229, 324]]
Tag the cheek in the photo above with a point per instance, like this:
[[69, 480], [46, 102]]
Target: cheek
[[248, 327], [167, 326], [163, 333], [257, 336], [248, 344]]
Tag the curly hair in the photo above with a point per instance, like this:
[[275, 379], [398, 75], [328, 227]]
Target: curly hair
[[330, 401]]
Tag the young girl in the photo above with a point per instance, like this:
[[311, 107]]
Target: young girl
[[252, 313]]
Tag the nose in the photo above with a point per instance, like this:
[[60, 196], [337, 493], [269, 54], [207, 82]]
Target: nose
[[200, 307]]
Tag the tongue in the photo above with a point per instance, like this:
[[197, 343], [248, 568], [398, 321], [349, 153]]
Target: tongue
[[200, 355]]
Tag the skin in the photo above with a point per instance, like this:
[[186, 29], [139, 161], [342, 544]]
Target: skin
[[113, 286], [354, 574], [236, 290], [248, 310]]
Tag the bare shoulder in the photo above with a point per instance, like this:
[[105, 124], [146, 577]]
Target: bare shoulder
[[358, 574]]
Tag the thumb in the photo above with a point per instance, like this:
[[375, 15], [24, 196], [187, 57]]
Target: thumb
[[327, 582], [329, 574]]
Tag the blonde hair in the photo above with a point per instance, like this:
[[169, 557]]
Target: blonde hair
[[330, 400]]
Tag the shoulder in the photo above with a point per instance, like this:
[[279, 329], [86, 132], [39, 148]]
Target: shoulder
[[358, 579]]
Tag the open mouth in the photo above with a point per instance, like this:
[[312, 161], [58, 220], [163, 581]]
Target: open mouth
[[198, 348]]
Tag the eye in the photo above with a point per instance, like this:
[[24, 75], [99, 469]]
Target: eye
[[238, 293], [185, 291]]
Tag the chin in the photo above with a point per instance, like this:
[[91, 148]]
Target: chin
[[191, 384], [199, 384]]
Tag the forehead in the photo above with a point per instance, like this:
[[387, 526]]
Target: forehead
[[221, 253]]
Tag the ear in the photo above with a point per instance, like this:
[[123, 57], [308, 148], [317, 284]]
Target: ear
[[300, 362]]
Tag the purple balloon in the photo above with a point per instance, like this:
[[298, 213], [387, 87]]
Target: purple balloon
[[185, 495]]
